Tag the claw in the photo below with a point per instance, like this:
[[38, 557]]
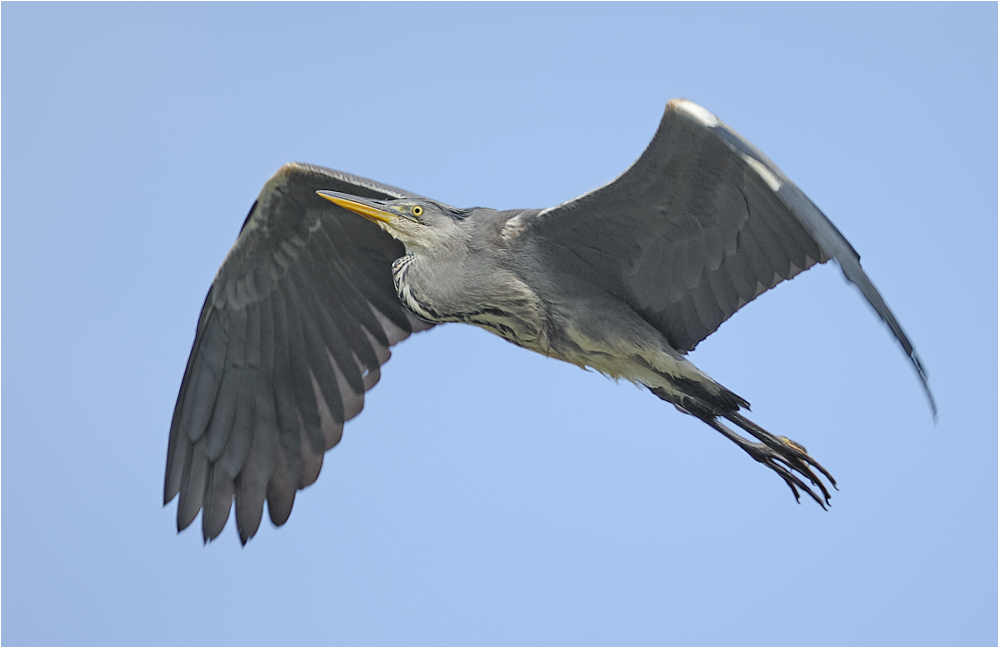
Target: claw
[[770, 458], [796, 464], [798, 452], [780, 454]]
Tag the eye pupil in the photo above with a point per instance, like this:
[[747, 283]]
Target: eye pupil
[[417, 210]]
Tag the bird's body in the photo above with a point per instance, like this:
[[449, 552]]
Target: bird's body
[[624, 280], [559, 317]]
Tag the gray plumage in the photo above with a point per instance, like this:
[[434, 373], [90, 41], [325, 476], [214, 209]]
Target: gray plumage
[[625, 279]]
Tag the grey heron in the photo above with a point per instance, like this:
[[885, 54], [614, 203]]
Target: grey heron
[[625, 279]]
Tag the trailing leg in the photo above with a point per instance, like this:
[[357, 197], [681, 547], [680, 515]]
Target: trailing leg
[[780, 454]]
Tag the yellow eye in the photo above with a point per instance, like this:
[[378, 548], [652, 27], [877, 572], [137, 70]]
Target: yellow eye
[[416, 210]]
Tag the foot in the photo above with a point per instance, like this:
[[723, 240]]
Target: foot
[[781, 455]]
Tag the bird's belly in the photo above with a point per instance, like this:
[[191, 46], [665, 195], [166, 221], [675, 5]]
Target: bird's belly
[[616, 342], [523, 333]]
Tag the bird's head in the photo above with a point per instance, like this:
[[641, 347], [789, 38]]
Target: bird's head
[[421, 224]]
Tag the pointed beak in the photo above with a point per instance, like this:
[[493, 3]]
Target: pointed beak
[[368, 208]]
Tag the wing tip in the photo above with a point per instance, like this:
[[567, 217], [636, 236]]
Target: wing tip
[[693, 111], [925, 384]]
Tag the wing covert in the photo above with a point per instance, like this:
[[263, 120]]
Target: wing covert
[[294, 329], [698, 226]]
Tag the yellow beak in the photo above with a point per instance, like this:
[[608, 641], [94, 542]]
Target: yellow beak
[[358, 206]]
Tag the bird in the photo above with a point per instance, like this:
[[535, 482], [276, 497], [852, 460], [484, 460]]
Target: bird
[[330, 270]]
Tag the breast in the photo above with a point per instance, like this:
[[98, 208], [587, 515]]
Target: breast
[[496, 301]]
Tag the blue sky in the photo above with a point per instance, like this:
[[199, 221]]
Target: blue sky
[[487, 495]]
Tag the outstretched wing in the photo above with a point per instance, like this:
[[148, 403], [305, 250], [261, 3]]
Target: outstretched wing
[[700, 225], [297, 322]]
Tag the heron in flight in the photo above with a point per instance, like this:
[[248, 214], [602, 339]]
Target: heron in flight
[[625, 279]]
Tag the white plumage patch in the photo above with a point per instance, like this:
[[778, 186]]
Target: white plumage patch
[[694, 111], [762, 171]]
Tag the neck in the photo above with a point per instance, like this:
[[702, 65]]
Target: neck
[[458, 290], [403, 276]]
